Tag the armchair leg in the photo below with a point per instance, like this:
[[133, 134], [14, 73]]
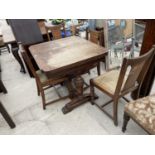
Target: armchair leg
[[6, 116], [125, 122]]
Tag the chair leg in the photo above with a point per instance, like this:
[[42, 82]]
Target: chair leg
[[6, 116], [106, 62], [2, 87], [115, 111], [43, 99], [7, 46], [126, 118], [38, 91], [99, 69], [92, 93]]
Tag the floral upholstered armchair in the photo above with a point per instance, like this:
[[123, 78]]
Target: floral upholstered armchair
[[142, 111]]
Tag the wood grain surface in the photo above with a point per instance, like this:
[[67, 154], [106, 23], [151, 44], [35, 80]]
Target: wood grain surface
[[67, 52]]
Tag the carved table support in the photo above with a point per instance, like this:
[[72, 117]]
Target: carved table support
[[79, 98]]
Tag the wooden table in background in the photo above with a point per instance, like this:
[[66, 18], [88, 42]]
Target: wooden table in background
[[72, 57]]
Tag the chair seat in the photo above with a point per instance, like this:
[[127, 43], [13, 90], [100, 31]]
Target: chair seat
[[107, 81], [43, 78], [143, 112]]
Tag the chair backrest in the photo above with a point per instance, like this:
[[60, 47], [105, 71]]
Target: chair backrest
[[133, 72], [95, 36], [56, 31], [26, 31], [28, 61]]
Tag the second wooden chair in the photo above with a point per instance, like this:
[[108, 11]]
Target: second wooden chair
[[97, 38], [42, 81], [55, 30], [118, 83]]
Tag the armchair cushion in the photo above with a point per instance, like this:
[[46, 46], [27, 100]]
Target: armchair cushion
[[143, 112]]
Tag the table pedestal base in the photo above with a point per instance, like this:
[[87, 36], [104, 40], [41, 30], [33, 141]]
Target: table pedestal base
[[75, 103], [77, 96]]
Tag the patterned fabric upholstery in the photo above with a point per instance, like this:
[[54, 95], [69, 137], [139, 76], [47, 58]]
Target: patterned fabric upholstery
[[143, 112]]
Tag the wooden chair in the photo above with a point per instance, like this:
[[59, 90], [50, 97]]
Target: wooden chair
[[118, 83], [55, 30], [142, 111], [96, 37], [42, 81], [27, 32]]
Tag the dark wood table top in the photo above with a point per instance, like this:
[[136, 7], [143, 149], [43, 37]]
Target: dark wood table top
[[66, 53]]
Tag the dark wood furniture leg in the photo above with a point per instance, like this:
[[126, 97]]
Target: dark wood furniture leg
[[125, 122], [15, 53], [7, 46], [2, 88], [72, 92], [99, 69], [80, 97], [6, 116]]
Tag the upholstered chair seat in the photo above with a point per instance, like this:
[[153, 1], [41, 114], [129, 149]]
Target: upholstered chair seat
[[108, 81], [143, 112], [43, 78]]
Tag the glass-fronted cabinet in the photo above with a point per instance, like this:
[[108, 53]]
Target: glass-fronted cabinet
[[123, 39]]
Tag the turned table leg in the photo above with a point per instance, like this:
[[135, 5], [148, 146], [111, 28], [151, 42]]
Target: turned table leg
[[79, 83], [71, 89]]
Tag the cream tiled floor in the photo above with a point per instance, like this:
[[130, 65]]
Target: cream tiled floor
[[25, 108]]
